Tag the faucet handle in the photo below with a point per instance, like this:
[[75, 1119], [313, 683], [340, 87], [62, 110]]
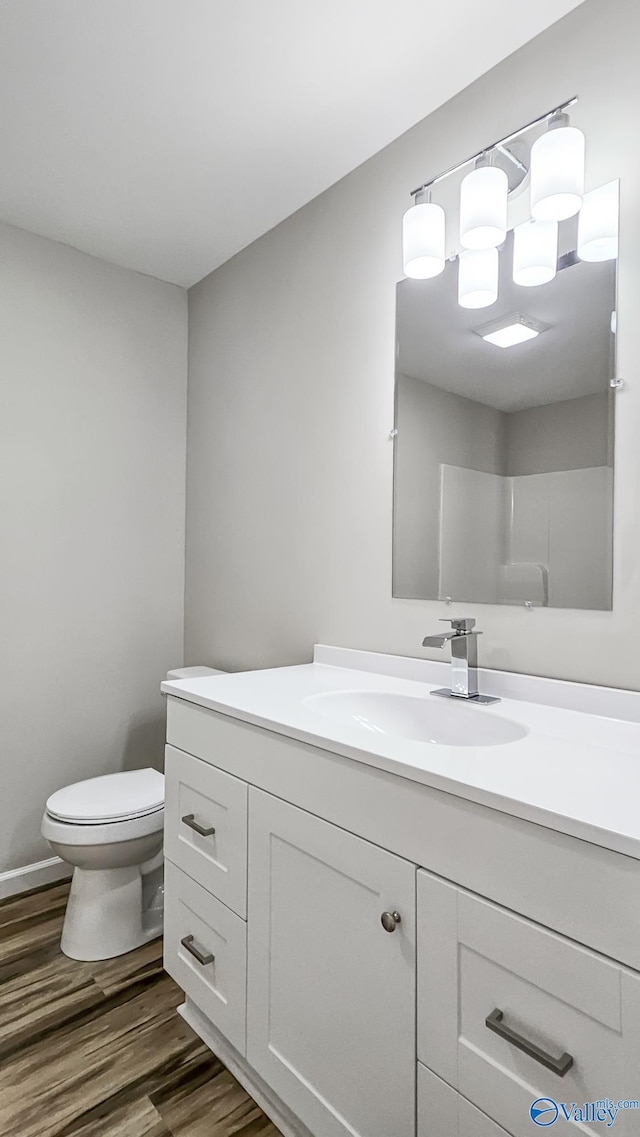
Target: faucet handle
[[462, 625]]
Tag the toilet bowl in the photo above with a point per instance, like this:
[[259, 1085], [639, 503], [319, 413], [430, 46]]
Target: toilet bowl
[[110, 829]]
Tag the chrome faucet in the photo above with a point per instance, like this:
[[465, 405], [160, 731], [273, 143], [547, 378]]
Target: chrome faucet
[[464, 661]]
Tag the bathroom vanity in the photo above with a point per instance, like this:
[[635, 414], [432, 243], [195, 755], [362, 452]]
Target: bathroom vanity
[[396, 915]]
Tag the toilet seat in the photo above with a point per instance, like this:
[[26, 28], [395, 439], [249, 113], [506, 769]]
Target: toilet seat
[[72, 833], [109, 800]]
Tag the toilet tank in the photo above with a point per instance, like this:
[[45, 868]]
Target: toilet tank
[[193, 672]]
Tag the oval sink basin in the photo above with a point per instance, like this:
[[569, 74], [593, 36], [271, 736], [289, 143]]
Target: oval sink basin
[[417, 718]]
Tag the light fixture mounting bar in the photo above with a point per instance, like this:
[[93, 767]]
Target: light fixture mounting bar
[[494, 145]]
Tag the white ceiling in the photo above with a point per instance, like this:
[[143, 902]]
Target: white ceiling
[[165, 135]]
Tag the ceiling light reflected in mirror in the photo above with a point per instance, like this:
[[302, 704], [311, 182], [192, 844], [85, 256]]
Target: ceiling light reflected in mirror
[[511, 330]]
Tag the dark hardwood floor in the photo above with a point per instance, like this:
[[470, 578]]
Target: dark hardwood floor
[[97, 1049]]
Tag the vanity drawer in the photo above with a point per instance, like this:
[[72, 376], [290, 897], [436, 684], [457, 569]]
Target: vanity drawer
[[205, 950], [442, 1112], [477, 961], [200, 797]]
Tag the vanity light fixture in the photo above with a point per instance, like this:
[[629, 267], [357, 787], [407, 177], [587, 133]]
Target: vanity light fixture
[[557, 170], [598, 224], [483, 206], [423, 238], [535, 253], [478, 271], [484, 197], [511, 330]]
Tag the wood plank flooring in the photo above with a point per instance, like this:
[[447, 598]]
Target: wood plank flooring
[[97, 1049]]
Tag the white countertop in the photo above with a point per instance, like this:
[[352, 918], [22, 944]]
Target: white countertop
[[576, 771]]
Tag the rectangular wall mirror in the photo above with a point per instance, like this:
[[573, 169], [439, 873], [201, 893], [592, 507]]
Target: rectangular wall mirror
[[503, 476]]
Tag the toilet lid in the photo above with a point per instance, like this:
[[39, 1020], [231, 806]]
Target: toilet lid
[[113, 797]]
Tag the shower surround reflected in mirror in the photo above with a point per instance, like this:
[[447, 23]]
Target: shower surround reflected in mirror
[[503, 476]]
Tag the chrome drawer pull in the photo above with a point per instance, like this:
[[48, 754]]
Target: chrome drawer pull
[[560, 1066], [202, 957], [193, 824]]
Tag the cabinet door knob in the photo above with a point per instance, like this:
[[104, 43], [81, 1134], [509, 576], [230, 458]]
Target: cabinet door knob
[[390, 921]]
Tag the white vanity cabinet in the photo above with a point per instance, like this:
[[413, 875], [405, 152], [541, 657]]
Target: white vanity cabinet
[[205, 829], [312, 988], [205, 950], [444, 1113], [509, 1012], [340, 1028], [331, 994]]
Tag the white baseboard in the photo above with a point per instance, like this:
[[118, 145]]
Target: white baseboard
[[33, 876], [276, 1111]]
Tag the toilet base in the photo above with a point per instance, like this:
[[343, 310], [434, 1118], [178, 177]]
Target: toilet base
[[105, 915]]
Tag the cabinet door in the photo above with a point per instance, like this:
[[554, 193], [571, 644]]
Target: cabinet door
[[331, 994]]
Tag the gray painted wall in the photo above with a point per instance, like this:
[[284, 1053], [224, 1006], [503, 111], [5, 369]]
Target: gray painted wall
[[559, 436], [434, 426], [291, 393], [92, 455]]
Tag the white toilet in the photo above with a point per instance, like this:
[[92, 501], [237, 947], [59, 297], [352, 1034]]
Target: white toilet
[[110, 829]]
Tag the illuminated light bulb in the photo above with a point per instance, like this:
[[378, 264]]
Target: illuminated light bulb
[[598, 224], [483, 207], [557, 171], [423, 240], [478, 278], [535, 253]]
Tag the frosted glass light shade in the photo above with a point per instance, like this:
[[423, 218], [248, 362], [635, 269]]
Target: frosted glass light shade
[[423, 240], [598, 224], [478, 278], [557, 174], [483, 208], [535, 252]]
